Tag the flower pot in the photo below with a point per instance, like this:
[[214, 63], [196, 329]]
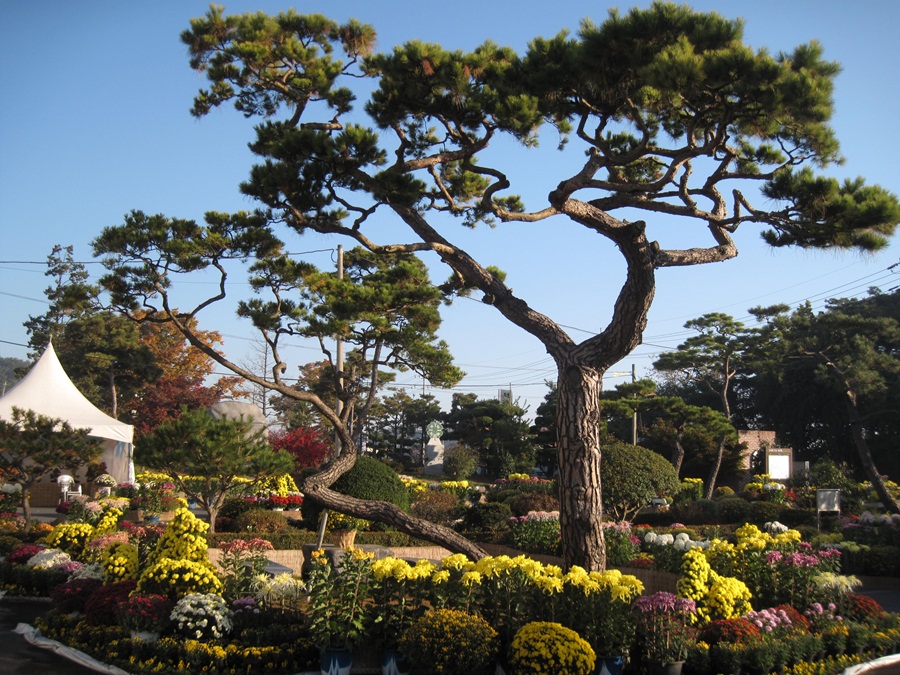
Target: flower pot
[[343, 538], [394, 663], [673, 668], [336, 661], [277, 508], [145, 635], [610, 665]]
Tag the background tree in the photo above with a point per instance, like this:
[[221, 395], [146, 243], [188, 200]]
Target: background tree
[[33, 446], [672, 115], [309, 446], [712, 360], [9, 366], [497, 431], [210, 459], [544, 432], [853, 353], [386, 308], [461, 462], [101, 351]]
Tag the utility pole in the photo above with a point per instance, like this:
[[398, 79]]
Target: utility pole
[[634, 417], [339, 404]]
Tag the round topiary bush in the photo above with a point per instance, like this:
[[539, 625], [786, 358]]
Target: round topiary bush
[[546, 647], [451, 642], [632, 476], [764, 512], [368, 479], [260, 520], [733, 510]]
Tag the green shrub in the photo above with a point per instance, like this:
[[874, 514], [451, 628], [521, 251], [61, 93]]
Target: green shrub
[[697, 512], [632, 476], [488, 517], [260, 520], [438, 506], [764, 512], [722, 491], [795, 517], [232, 508], [733, 510], [523, 504], [881, 561]]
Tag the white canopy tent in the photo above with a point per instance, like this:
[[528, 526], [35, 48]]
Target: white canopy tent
[[47, 390]]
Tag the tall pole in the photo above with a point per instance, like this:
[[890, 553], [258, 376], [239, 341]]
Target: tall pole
[[339, 405], [340, 349], [634, 417]]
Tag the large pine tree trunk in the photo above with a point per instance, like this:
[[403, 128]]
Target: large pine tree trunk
[[579, 456]]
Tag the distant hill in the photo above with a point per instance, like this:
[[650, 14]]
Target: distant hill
[[8, 367]]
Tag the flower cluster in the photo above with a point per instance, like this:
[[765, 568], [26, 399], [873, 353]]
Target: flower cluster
[[450, 642], [178, 578], [146, 612], [284, 502], [48, 559], [397, 588], [22, 554], [822, 616], [281, 591], [202, 616], [241, 561], [537, 532], [105, 480], [769, 620], [548, 647], [71, 538], [119, 561]]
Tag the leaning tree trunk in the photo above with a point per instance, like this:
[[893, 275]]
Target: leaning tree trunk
[[865, 455], [714, 471], [859, 436], [578, 456]]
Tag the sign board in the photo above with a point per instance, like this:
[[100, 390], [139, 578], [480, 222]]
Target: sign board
[[828, 500], [779, 462]]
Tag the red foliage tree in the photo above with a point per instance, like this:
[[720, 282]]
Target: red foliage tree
[[308, 445], [163, 400]]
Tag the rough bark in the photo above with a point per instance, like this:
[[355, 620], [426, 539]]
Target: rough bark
[[579, 457]]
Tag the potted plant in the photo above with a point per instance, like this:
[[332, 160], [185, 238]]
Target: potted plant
[[336, 609], [202, 616], [597, 605], [663, 628], [451, 642], [547, 647], [397, 591], [146, 615]]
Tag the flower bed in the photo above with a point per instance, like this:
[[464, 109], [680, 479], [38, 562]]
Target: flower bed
[[219, 617]]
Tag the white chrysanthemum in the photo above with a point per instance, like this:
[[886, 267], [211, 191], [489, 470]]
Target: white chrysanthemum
[[48, 559], [650, 538]]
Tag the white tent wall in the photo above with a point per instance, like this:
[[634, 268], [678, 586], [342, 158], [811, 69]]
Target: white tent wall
[[47, 390]]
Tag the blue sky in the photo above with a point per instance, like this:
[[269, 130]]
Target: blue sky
[[94, 122]]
